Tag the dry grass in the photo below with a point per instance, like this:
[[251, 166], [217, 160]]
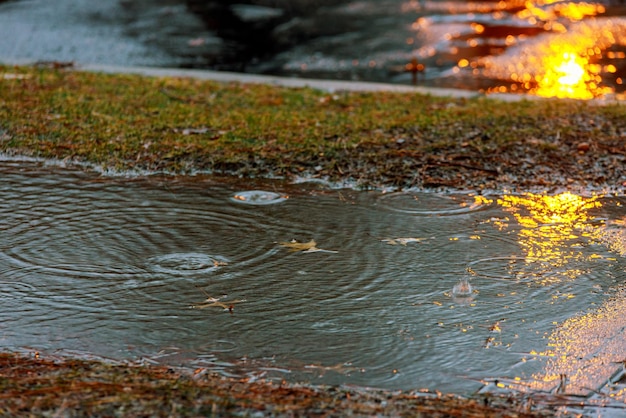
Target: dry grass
[[33, 386]]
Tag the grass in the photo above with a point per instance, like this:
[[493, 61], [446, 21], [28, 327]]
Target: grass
[[181, 125]]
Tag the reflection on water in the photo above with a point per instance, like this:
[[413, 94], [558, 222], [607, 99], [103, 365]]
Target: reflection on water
[[583, 349], [580, 63], [583, 358], [552, 10], [543, 47], [547, 48], [614, 235], [176, 271], [552, 231], [572, 54], [568, 76]]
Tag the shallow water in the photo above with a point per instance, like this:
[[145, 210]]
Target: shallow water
[[124, 268], [541, 47]]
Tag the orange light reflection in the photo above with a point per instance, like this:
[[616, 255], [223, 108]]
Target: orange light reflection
[[550, 228], [568, 75], [584, 351], [551, 10], [563, 61]]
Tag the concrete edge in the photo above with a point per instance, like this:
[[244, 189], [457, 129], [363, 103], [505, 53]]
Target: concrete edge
[[228, 77], [319, 84], [325, 84]]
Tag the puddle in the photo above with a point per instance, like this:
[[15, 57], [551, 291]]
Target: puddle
[[176, 271], [546, 48]]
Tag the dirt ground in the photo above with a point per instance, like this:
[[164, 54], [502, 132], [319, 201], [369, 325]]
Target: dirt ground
[[35, 386]]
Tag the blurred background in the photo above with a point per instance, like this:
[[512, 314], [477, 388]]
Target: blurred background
[[543, 47]]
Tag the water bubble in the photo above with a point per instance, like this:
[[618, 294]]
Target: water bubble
[[258, 197], [463, 288]]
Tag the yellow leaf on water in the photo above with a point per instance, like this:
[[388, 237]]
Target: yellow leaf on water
[[401, 241], [305, 247], [299, 246], [228, 305], [210, 301]]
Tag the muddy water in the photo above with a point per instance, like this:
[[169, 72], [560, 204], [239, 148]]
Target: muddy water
[[197, 273]]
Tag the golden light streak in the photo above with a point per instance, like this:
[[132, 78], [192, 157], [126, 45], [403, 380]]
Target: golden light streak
[[549, 227], [584, 351], [578, 11], [565, 208]]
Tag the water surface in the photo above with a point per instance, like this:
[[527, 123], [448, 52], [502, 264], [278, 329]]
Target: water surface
[[542, 47], [209, 275]]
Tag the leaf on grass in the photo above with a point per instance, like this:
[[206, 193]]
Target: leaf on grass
[[305, 247]]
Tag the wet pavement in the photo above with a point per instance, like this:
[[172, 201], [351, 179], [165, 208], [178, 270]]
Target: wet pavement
[[561, 49], [103, 32]]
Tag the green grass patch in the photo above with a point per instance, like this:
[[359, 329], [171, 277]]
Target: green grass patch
[[178, 124]]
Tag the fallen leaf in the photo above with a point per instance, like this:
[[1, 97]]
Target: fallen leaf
[[101, 115], [401, 241], [209, 302], [315, 250], [294, 245], [227, 305], [305, 247]]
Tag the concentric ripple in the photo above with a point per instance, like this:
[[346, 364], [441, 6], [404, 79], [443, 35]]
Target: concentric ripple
[[186, 263], [95, 229], [176, 270], [428, 204], [258, 197]]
